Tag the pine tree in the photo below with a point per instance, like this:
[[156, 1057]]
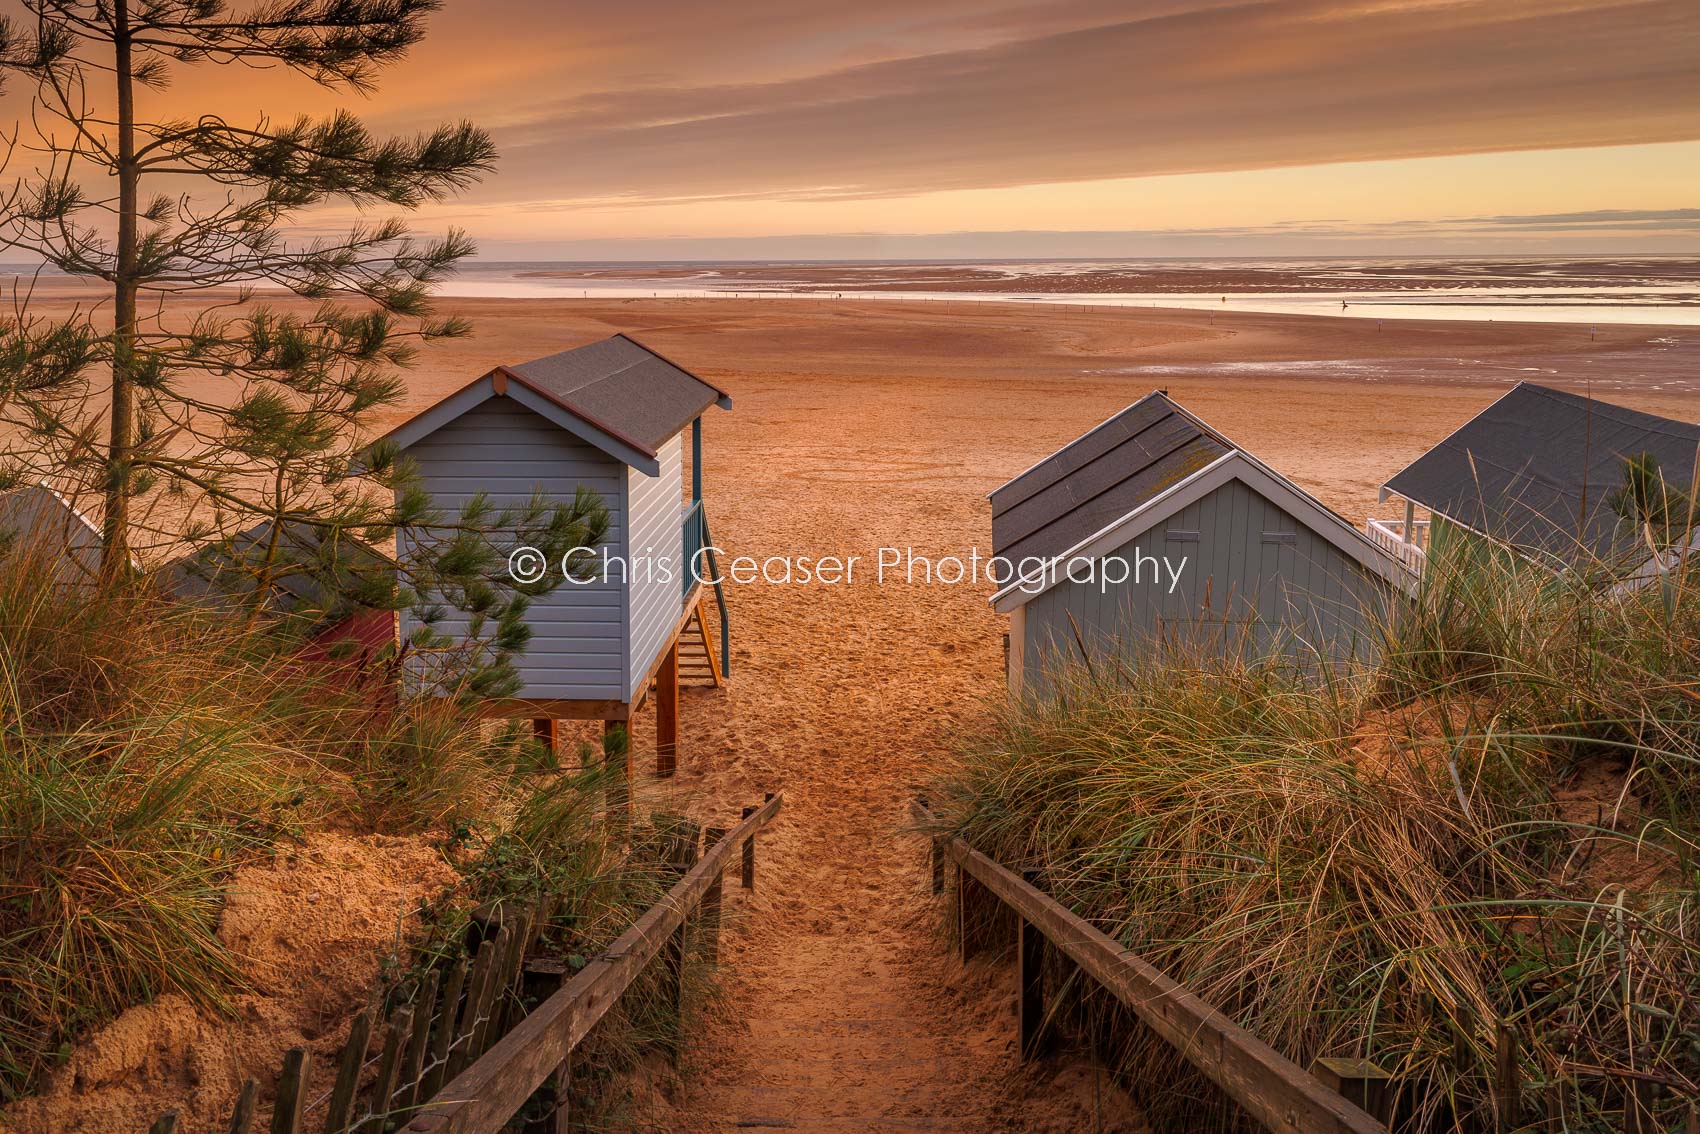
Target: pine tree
[[193, 410]]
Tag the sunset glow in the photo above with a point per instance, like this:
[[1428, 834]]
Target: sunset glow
[[1182, 125]]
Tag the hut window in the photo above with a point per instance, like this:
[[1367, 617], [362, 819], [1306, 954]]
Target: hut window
[[1280, 537], [1177, 535]]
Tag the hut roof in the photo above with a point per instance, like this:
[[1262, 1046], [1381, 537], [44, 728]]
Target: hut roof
[[1101, 477], [1538, 468], [618, 394], [223, 573], [1128, 475]]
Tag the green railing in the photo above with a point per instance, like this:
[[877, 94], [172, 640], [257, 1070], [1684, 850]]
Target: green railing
[[698, 540]]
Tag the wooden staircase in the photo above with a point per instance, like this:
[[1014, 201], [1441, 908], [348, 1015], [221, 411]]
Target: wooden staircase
[[699, 659]]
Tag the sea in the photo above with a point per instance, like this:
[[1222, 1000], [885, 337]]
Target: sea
[[1663, 291], [1659, 291]]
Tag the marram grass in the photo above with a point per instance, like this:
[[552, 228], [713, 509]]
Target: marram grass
[[1492, 827], [148, 748]]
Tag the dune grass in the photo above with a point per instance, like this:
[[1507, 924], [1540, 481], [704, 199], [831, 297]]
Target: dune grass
[[1491, 828], [148, 748]]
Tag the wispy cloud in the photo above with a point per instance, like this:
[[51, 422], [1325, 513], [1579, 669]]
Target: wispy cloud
[[745, 117], [1067, 92]]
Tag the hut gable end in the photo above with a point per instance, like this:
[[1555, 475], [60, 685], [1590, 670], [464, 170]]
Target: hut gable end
[[508, 452], [1155, 529], [608, 417]]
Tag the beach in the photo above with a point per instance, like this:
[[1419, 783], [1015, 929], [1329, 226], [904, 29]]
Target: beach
[[869, 424], [861, 425], [472, 472]]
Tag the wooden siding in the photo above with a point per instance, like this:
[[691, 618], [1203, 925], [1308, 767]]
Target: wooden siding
[[1254, 579], [656, 592], [578, 632]]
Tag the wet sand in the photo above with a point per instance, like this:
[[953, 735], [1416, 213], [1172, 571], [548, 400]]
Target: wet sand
[[1208, 277]]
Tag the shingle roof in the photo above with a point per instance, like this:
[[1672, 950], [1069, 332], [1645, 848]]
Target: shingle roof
[[223, 573], [1538, 467], [1101, 477], [622, 387]]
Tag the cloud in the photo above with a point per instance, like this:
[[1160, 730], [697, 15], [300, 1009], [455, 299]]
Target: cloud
[[1072, 92], [1662, 219]]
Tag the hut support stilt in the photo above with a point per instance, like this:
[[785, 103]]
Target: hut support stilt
[[667, 712]]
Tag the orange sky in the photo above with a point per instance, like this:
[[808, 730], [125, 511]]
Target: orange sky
[[1136, 126]]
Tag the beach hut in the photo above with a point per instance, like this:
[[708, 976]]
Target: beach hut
[[1155, 530], [304, 555], [1541, 471], [612, 417], [224, 574], [39, 520]]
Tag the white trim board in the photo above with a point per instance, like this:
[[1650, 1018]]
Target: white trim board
[[1233, 465], [468, 397]]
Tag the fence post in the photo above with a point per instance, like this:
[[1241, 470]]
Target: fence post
[[552, 974], [389, 1068], [964, 946], [937, 857], [667, 712], [509, 1009], [292, 1091], [1031, 949], [1639, 1113], [242, 1118], [711, 902], [445, 1032], [1554, 1095], [348, 1073], [1359, 1081], [1507, 1077], [748, 879], [477, 991], [492, 998], [682, 853], [413, 1067]]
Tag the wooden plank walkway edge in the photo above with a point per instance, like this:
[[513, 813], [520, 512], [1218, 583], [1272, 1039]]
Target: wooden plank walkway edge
[[1272, 1088], [482, 1098]]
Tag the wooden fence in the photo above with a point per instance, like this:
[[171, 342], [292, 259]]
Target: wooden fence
[[1338, 1096], [461, 1054]]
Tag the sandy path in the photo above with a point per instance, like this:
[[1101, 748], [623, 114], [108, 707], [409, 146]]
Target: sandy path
[[844, 1010]]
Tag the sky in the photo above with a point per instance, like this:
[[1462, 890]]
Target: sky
[[775, 129]]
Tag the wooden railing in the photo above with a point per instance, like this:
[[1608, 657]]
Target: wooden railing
[[460, 1053], [1270, 1087], [482, 1098], [698, 539], [1407, 546]]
